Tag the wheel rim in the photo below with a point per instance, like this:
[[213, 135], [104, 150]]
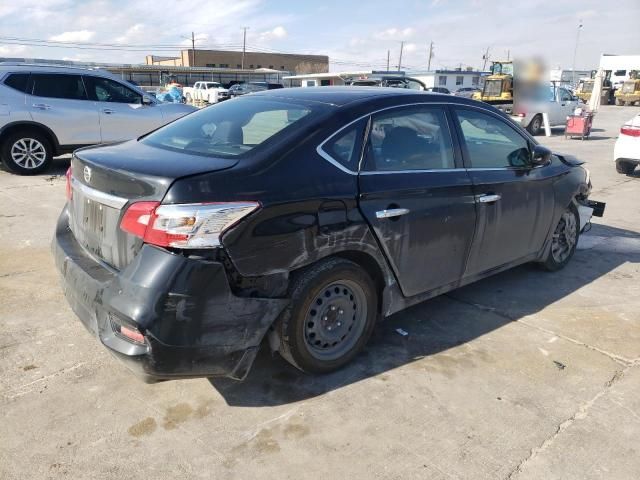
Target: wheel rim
[[28, 153], [536, 124], [564, 238], [335, 320]]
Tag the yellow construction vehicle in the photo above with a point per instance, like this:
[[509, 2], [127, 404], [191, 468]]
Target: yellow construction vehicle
[[498, 87], [629, 93], [585, 87]]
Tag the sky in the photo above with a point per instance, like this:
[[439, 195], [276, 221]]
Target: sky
[[355, 35]]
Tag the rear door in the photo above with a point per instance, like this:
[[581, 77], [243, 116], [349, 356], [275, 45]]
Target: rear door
[[417, 197], [514, 201], [123, 116], [59, 101]]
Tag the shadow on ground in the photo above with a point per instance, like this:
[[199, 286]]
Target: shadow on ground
[[438, 324]]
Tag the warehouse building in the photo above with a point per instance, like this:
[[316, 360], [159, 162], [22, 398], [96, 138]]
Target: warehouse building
[[289, 62]]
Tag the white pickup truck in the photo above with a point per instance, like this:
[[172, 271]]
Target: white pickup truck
[[210, 92], [557, 102]]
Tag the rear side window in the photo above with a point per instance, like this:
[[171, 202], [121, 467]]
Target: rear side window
[[57, 85], [415, 138], [18, 81], [344, 147], [229, 129], [491, 143]]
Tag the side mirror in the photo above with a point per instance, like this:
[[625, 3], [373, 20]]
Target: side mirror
[[147, 100], [540, 156]]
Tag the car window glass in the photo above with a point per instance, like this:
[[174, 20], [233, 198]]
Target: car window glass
[[229, 128], [343, 147], [564, 95], [491, 143], [414, 138], [54, 85], [18, 81], [106, 90]]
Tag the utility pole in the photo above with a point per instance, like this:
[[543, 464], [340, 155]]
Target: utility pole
[[388, 57], [508, 54], [485, 57], [193, 47], [244, 44], [400, 60], [430, 56], [575, 51]]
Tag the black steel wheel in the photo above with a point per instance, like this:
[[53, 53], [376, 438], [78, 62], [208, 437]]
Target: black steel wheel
[[330, 318], [535, 125]]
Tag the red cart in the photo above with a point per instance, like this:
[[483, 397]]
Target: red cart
[[579, 125]]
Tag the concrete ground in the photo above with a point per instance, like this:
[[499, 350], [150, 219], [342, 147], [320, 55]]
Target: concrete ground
[[525, 375]]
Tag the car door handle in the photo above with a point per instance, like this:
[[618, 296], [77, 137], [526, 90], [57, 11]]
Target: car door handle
[[392, 213], [108, 111], [41, 106], [489, 198]]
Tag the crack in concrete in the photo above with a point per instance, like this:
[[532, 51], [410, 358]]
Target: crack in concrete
[[485, 308], [580, 414]]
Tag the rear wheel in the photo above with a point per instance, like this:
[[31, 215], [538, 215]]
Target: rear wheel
[[564, 240], [330, 318], [625, 168], [26, 152], [535, 125]]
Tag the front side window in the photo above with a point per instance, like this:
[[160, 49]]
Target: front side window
[[229, 129], [105, 90], [55, 85], [492, 143], [565, 96], [415, 138], [442, 80]]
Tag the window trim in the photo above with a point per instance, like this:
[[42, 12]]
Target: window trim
[[463, 144]]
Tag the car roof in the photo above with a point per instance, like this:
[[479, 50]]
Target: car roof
[[45, 68], [340, 96]]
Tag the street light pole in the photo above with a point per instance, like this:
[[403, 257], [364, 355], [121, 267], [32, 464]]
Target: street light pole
[[244, 44], [400, 59], [575, 51]]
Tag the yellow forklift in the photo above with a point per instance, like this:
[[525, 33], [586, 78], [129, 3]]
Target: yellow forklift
[[498, 87], [585, 87], [629, 93]]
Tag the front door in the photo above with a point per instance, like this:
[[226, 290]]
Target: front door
[[514, 201], [60, 102], [417, 199], [123, 116]]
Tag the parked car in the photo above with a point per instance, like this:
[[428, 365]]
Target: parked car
[[50, 110], [557, 102], [302, 215], [466, 92], [243, 88], [626, 152], [393, 81], [439, 90], [210, 92]]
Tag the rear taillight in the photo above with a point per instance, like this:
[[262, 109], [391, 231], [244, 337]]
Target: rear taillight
[[520, 114], [630, 130], [69, 190], [194, 225]]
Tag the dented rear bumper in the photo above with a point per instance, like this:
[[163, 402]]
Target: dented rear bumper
[[193, 324]]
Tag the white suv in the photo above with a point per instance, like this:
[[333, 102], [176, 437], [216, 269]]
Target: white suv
[[47, 111]]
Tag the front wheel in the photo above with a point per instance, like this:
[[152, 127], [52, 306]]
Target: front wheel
[[564, 240], [330, 318]]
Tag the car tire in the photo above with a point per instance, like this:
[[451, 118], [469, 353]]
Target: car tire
[[26, 152], [535, 125], [564, 240], [333, 310], [625, 168]]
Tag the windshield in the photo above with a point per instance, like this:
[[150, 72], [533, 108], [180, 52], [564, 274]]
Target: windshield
[[493, 88], [229, 128]]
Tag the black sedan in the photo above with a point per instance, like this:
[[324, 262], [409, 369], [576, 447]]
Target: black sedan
[[303, 215]]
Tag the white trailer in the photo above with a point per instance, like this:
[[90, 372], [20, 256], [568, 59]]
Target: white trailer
[[620, 66]]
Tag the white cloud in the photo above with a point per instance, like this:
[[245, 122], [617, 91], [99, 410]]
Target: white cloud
[[395, 33], [276, 33], [75, 36], [12, 49]]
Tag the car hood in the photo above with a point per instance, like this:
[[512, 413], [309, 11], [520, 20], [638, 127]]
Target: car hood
[[174, 110]]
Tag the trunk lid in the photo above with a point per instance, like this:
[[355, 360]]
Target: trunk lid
[[106, 179]]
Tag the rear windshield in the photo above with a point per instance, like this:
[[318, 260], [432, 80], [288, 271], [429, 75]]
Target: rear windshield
[[230, 128]]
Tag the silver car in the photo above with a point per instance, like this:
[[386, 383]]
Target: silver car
[[46, 111]]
